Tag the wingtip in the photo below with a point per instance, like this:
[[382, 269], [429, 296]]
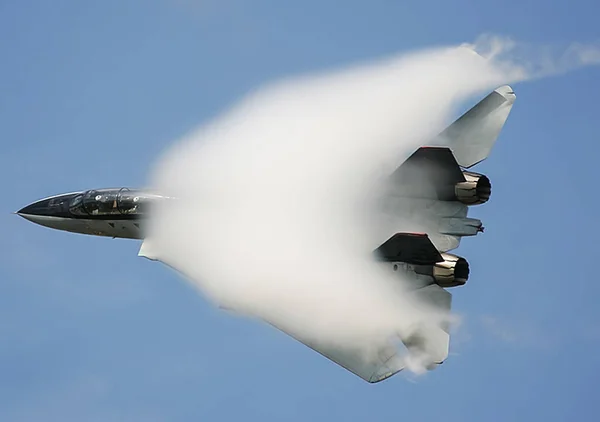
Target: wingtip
[[507, 92], [470, 48]]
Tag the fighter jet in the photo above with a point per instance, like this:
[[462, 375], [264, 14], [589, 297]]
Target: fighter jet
[[435, 185]]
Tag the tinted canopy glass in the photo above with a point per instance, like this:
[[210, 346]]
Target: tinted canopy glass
[[106, 202]]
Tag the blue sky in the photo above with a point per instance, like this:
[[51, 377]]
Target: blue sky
[[92, 92]]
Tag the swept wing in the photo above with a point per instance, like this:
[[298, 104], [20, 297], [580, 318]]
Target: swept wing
[[434, 189]]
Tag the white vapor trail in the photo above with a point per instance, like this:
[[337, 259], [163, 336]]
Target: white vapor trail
[[272, 217]]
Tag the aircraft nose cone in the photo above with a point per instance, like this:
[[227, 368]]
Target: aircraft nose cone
[[36, 208], [55, 206], [31, 217]]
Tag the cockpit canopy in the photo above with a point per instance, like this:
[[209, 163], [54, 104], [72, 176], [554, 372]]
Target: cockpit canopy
[[97, 202]]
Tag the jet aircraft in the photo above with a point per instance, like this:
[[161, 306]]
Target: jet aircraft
[[435, 181]]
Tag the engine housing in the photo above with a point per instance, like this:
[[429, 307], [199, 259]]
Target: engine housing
[[452, 272], [475, 190]]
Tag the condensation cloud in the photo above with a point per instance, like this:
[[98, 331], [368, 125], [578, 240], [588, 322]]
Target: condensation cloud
[[274, 216]]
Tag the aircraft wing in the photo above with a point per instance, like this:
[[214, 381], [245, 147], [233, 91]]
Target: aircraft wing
[[428, 344], [473, 135], [426, 204], [430, 341], [385, 363]]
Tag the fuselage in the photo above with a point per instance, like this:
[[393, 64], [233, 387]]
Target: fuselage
[[113, 212]]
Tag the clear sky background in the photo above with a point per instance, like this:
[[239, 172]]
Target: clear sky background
[[92, 92]]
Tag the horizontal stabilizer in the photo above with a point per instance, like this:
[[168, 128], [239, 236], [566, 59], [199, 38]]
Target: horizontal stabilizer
[[412, 248]]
